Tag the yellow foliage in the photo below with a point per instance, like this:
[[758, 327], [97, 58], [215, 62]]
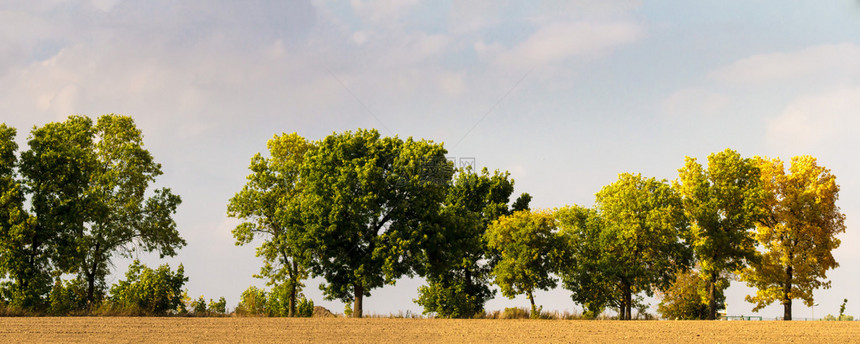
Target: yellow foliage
[[798, 232]]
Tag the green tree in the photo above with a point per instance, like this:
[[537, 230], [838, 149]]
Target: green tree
[[525, 248], [641, 241], [723, 204], [457, 272], [89, 184], [149, 292], [269, 206], [630, 244], [798, 232], [368, 206], [584, 260], [687, 298], [24, 247]]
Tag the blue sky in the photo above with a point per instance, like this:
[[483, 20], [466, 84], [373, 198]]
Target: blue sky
[[564, 95]]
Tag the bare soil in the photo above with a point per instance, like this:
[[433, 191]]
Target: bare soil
[[321, 330]]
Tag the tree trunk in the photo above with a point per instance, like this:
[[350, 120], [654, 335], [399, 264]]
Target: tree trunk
[[628, 302], [358, 289], [294, 276], [292, 311], [786, 298], [91, 279], [534, 314], [712, 296]]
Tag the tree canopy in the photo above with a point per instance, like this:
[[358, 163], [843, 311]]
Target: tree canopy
[[456, 270], [798, 232], [638, 244], [723, 204], [269, 205], [369, 204], [525, 248], [88, 185]]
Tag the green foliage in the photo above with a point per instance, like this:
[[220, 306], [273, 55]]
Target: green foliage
[[68, 297], [218, 307], [369, 204], [269, 206], [842, 308], [456, 270], [198, 307], [630, 244], [525, 249], [252, 302], [582, 268], [278, 302], [723, 204], [87, 183], [25, 249], [687, 299], [830, 317], [305, 309], [149, 292]]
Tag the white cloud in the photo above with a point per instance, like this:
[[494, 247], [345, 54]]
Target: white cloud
[[104, 5], [359, 37], [811, 121], [378, 11], [559, 41], [694, 102], [831, 60], [452, 83]]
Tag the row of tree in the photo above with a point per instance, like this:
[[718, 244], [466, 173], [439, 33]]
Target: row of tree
[[362, 210], [78, 196]]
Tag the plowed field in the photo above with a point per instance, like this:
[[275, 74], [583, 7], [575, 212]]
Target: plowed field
[[316, 330]]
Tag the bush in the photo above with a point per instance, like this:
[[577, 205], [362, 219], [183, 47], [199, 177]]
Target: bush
[[305, 308], [149, 292], [843, 317], [252, 302], [218, 307], [68, 297], [278, 302], [687, 298], [199, 306]]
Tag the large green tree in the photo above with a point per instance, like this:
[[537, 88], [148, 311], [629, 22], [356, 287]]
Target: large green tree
[[369, 204], [798, 232], [723, 204], [640, 240], [24, 255], [584, 261], [525, 249], [89, 195], [457, 272], [269, 206]]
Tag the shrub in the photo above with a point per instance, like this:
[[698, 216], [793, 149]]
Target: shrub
[[687, 298], [305, 308], [252, 302], [199, 306], [149, 292], [218, 307], [68, 297]]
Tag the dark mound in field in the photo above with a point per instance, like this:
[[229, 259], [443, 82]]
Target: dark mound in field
[[322, 312]]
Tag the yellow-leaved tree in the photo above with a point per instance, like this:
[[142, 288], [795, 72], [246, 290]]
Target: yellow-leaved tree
[[798, 232]]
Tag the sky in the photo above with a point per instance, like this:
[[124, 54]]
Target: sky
[[564, 95]]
